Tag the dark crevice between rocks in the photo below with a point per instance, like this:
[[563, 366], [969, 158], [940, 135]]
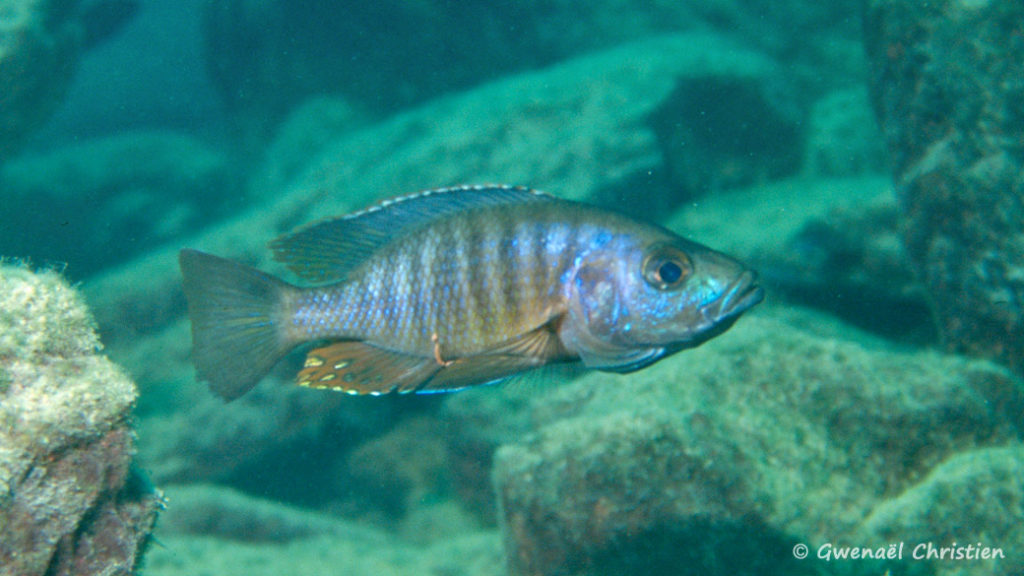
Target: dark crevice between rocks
[[700, 547], [852, 264], [114, 532], [311, 472], [719, 132], [908, 321]]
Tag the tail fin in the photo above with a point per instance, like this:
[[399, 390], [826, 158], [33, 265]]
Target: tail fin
[[236, 321]]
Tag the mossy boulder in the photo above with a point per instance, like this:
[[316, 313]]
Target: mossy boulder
[[70, 502], [727, 456]]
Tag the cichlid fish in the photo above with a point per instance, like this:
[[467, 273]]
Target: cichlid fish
[[456, 287]]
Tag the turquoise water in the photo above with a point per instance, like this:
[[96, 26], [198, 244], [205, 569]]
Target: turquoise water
[[829, 421]]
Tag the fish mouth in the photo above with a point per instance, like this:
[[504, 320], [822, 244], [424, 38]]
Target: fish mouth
[[718, 316], [742, 295]]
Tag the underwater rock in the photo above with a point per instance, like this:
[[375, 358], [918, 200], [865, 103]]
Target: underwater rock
[[629, 494], [206, 509], [215, 530], [719, 133], [305, 132], [946, 81], [724, 457], [396, 471], [477, 423], [41, 42], [986, 484], [264, 439], [39, 50], [843, 137], [104, 201], [70, 502], [476, 555], [851, 262], [266, 56]]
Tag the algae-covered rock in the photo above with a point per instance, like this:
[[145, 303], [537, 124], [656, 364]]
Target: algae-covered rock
[[203, 438], [69, 501], [41, 42], [266, 56], [478, 421], [39, 50], [724, 457], [396, 471], [309, 128], [204, 509], [477, 555], [852, 263], [719, 133], [211, 530], [973, 499], [947, 89], [100, 202], [843, 137]]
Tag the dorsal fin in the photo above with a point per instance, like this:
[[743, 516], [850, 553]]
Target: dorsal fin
[[326, 251]]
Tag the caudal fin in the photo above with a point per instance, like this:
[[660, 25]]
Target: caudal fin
[[236, 315]]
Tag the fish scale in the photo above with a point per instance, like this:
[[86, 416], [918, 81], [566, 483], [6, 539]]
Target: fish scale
[[457, 287]]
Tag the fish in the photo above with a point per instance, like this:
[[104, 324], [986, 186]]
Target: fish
[[457, 287]]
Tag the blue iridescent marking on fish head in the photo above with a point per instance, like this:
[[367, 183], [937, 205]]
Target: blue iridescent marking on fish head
[[632, 300], [684, 293]]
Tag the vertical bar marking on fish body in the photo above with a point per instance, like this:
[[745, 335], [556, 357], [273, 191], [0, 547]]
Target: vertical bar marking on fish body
[[478, 289]]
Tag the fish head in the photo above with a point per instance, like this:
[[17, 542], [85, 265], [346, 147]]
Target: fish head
[[633, 303]]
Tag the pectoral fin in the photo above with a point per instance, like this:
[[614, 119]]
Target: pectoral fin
[[531, 350], [477, 370]]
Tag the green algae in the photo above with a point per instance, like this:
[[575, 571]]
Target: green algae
[[772, 433], [65, 444]]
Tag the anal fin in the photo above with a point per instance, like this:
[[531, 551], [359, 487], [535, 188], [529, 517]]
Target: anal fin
[[355, 367]]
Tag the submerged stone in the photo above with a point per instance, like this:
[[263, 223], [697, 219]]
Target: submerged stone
[[70, 501], [41, 43], [946, 81], [725, 458]]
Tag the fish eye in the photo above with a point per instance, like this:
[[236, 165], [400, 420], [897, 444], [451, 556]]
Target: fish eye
[[666, 268]]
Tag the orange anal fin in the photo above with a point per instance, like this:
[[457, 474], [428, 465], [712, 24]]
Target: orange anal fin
[[356, 367]]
